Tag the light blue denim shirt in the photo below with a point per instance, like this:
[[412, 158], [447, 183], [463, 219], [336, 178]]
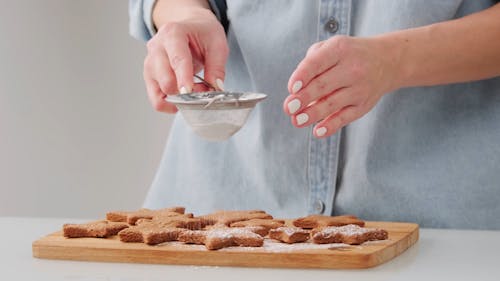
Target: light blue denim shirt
[[429, 155]]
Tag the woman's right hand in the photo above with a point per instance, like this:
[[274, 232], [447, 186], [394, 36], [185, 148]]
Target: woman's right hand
[[189, 39]]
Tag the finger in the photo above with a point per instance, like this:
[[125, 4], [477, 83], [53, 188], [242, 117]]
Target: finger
[[321, 86], [319, 58], [215, 63], [162, 73], [336, 121], [314, 47], [323, 108], [157, 97], [179, 56]]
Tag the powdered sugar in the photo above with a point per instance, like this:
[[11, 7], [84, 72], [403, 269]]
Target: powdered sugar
[[183, 246], [230, 233], [289, 231], [349, 230], [275, 246]]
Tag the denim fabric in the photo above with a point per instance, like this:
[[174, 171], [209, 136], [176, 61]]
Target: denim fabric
[[429, 155], [141, 19]]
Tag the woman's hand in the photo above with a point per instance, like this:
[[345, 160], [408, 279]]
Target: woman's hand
[[189, 39], [338, 81]]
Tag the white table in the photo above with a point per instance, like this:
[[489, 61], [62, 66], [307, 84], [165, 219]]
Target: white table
[[438, 255]]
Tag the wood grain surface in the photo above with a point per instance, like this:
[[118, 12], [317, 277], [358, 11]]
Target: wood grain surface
[[273, 254]]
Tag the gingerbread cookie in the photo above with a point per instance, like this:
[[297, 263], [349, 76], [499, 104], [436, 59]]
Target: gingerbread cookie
[[261, 230], [289, 234], [133, 216], [228, 217], [150, 232], [99, 229], [181, 221], [267, 224], [347, 234], [314, 221], [222, 237]]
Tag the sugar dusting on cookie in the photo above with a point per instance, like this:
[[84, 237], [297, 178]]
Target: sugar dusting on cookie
[[350, 229], [230, 232], [349, 234], [290, 230]]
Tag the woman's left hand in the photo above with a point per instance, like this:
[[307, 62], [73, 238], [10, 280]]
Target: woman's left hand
[[338, 81]]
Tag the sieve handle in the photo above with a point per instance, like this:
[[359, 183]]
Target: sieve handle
[[205, 82]]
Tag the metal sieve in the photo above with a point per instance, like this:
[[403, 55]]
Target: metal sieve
[[216, 116]]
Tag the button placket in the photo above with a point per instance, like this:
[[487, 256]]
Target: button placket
[[334, 18], [323, 155]]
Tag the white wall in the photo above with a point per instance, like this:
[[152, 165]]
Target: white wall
[[77, 134]]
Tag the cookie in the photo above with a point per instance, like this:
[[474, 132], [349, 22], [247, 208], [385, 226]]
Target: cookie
[[181, 221], [348, 234], [261, 230], [132, 216], [99, 229], [228, 217], [151, 233], [289, 234], [315, 221], [222, 237], [267, 224]]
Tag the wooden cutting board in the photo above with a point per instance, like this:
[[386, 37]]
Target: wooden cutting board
[[272, 254]]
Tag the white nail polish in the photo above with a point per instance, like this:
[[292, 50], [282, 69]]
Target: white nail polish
[[183, 90], [321, 131], [296, 86], [220, 84], [293, 106], [302, 118]]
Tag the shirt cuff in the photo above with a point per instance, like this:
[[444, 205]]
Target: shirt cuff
[[147, 15], [141, 24]]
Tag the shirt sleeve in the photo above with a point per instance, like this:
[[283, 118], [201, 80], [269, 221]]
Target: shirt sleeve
[[141, 24]]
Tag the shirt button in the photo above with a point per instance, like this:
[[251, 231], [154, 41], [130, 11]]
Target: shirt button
[[332, 25], [319, 207]]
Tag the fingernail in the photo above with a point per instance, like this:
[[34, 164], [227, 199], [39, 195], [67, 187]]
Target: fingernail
[[321, 131], [293, 106], [184, 90], [220, 84], [302, 118], [296, 86]]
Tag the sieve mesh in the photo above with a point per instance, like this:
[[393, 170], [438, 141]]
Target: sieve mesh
[[216, 116]]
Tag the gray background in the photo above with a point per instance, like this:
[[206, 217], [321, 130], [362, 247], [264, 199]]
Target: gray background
[[77, 134]]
